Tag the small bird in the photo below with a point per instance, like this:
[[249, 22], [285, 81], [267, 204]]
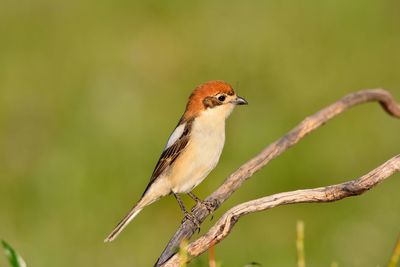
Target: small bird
[[192, 151]]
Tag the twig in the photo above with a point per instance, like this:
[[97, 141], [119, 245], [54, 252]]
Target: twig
[[316, 195], [235, 180]]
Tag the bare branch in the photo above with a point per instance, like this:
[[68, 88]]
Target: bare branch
[[319, 195], [235, 180]]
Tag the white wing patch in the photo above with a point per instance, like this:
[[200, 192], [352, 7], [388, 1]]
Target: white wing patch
[[175, 135]]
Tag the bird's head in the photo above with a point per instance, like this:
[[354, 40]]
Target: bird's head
[[214, 96]]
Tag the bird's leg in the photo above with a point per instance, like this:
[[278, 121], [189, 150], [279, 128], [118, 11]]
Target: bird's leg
[[208, 204], [194, 197], [187, 214]]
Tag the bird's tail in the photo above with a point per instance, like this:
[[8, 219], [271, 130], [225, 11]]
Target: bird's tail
[[151, 194], [124, 222]]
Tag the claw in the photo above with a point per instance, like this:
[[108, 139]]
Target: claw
[[193, 219], [209, 205]]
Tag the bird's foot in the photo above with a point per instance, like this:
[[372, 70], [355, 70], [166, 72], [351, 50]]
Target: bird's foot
[[210, 205], [189, 216]]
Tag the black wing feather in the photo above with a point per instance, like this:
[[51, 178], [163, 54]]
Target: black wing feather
[[170, 154]]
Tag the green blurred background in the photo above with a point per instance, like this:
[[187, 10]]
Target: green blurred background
[[84, 91]]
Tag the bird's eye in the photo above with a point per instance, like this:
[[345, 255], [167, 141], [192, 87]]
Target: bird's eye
[[221, 98]]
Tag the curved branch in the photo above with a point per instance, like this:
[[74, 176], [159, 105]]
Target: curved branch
[[331, 193], [235, 180]]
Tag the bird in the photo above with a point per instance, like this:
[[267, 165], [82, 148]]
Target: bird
[[192, 150]]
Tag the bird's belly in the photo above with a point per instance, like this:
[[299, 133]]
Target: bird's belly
[[199, 159]]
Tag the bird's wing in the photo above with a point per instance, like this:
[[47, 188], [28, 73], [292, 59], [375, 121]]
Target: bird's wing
[[175, 145], [176, 134]]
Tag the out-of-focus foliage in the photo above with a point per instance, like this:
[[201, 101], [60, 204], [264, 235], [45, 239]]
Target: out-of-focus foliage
[[90, 91], [14, 259]]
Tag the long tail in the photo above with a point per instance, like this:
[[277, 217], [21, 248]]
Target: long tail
[[124, 222], [155, 192]]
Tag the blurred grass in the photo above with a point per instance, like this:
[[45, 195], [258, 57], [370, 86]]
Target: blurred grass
[[14, 259], [301, 262], [90, 91], [394, 259]]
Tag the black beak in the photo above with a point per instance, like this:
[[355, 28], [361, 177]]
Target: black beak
[[240, 101]]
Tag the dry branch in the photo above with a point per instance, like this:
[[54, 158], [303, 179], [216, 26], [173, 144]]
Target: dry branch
[[322, 194], [235, 180]]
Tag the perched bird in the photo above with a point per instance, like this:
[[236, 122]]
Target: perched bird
[[192, 150]]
